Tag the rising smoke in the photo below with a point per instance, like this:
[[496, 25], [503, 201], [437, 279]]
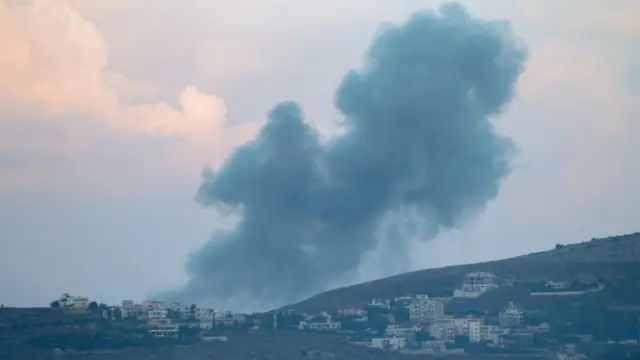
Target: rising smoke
[[417, 137]]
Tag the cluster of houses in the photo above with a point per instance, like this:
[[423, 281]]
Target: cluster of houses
[[426, 328], [162, 319], [429, 330]]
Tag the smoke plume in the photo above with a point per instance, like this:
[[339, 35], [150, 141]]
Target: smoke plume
[[418, 137]]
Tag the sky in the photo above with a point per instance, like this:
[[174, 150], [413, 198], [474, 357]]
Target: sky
[[109, 109]]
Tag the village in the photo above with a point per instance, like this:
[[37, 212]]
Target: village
[[412, 324]]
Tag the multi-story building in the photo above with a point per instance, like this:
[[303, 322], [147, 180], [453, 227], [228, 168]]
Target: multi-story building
[[204, 313], [444, 332], [424, 308], [493, 334], [75, 302], [474, 327], [511, 316], [408, 330], [476, 284], [166, 330]]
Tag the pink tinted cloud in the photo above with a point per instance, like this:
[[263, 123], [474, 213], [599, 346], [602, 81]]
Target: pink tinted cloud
[[54, 62]]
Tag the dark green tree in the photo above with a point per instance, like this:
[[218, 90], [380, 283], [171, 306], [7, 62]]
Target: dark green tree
[[93, 306]]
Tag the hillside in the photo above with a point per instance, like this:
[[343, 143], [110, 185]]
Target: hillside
[[615, 260], [46, 334]]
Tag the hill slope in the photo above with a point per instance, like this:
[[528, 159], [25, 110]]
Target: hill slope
[[614, 259]]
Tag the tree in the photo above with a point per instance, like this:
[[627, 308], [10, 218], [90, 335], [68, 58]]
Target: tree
[[55, 304], [401, 314], [93, 306], [193, 307], [117, 314]]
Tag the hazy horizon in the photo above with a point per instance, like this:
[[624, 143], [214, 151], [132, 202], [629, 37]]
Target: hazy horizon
[[105, 130]]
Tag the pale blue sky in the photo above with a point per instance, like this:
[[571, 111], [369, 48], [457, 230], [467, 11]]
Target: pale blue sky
[[96, 203]]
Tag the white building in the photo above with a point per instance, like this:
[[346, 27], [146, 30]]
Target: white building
[[569, 353], [395, 330], [157, 314], [511, 316], [328, 325], [380, 303], [557, 285], [167, 330], [424, 308], [353, 311], [434, 346], [474, 327], [444, 332], [476, 284], [75, 302], [389, 343], [493, 334], [205, 313], [206, 324], [154, 305]]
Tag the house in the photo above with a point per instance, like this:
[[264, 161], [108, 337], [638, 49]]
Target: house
[[476, 284], [167, 330], [568, 352], [474, 327], [205, 313], [424, 308], [206, 324], [557, 285], [493, 334], [406, 330], [352, 311], [154, 305], [225, 318], [75, 302], [434, 346], [380, 304], [157, 313], [324, 326], [442, 331], [511, 316], [389, 343], [158, 317]]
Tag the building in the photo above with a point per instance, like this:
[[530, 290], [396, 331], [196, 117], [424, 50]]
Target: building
[[511, 316], [389, 343], [154, 305], [434, 346], [557, 285], [380, 303], [493, 334], [225, 319], [352, 311], [444, 332], [423, 308], [324, 326], [568, 352], [476, 284], [206, 324], [407, 330], [204, 313], [168, 330], [75, 302], [157, 313], [474, 330]]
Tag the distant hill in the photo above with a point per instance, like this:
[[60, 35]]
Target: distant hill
[[615, 260]]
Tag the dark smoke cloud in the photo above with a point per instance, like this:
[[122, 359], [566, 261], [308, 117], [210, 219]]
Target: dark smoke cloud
[[418, 136]]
